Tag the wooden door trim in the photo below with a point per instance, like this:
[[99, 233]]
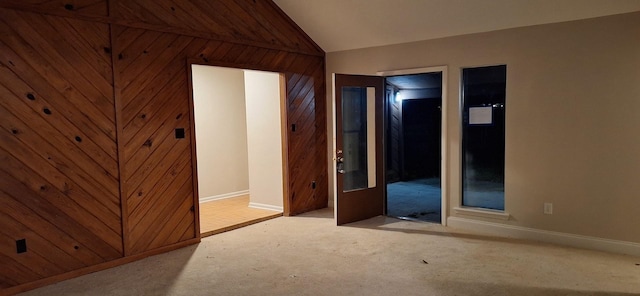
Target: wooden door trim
[[286, 206], [194, 156]]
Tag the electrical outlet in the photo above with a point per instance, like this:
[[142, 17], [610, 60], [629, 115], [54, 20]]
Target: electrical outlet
[[21, 246], [548, 208], [180, 133]]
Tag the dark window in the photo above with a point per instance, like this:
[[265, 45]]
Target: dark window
[[483, 130]]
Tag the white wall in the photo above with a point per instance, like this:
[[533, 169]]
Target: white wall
[[221, 131], [238, 135], [264, 131], [573, 96]]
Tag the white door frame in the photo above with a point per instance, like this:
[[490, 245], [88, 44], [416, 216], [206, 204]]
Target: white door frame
[[444, 160]]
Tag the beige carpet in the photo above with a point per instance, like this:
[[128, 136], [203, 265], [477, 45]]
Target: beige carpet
[[308, 255]]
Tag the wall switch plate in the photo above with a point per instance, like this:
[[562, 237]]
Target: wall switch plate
[[548, 208]]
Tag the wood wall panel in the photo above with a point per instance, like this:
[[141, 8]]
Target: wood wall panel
[[259, 23], [157, 175], [155, 101], [92, 8], [89, 103], [59, 175], [301, 108], [395, 150]]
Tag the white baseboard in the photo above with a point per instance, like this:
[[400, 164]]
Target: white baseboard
[[223, 196], [566, 239], [265, 207]]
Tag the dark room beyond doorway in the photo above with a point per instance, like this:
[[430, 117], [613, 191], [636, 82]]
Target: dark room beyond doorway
[[413, 146]]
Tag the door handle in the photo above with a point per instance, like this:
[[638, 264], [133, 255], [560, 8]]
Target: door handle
[[340, 162], [340, 165]]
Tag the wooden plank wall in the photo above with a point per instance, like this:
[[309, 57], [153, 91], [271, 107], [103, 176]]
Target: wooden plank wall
[[91, 95], [59, 174], [395, 138]]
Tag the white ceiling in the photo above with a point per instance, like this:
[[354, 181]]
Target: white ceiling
[[337, 25]]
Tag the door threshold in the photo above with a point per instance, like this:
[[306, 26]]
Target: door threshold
[[239, 225], [413, 219]]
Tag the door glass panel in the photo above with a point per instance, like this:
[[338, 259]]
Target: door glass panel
[[358, 134], [483, 141]]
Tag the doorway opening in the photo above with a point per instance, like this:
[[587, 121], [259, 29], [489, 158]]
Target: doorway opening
[[238, 118], [413, 146]]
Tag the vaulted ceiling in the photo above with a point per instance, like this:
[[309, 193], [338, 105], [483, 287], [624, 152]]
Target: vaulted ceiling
[[350, 24]]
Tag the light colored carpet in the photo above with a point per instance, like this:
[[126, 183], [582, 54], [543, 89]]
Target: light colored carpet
[[309, 255]]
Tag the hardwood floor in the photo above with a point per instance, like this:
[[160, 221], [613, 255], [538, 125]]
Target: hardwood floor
[[230, 213]]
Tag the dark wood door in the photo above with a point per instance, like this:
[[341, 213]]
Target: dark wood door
[[359, 155]]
